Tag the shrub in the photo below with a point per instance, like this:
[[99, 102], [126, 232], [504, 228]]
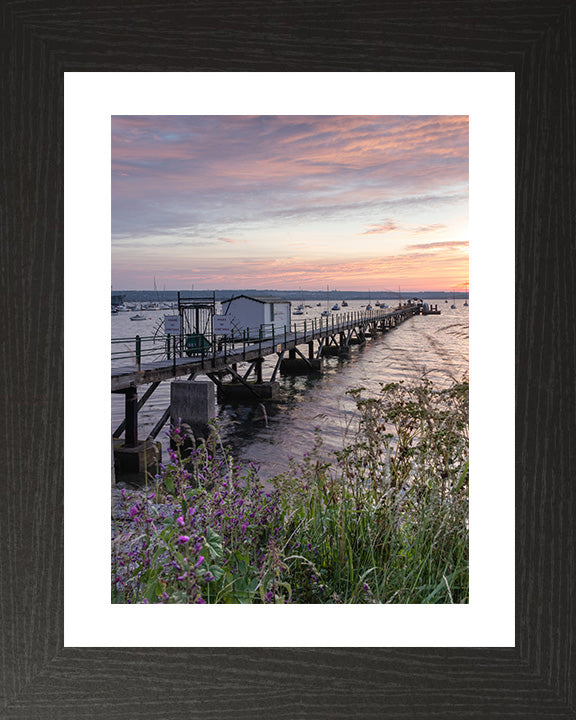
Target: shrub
[[385, 521]]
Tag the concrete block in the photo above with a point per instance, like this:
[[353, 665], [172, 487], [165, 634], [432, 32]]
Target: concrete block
[[194, 402], [135, 464], [330, 350], [240, 393], [298, 366]]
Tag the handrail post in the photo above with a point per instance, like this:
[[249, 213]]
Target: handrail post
[[138, 351], [168, 346]]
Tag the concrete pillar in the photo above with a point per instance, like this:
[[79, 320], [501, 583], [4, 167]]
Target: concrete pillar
[[256, 392], [331, 350], [299, 366], [194, 402], [137, 464]]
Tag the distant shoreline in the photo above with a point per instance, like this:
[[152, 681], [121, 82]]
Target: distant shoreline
[[297, 295]]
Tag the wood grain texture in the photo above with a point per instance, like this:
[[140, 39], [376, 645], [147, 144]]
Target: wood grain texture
[[40, 39]]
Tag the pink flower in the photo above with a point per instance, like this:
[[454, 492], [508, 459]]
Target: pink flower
[[180, 521], [183, 539]]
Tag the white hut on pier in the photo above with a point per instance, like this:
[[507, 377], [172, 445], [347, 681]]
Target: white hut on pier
[[250, 312]]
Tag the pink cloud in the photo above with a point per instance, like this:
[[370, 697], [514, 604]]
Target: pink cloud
[[232, 241], [429, 228], [447, 245], [386, 226]]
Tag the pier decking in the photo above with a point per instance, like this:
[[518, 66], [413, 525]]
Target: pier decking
[[337, 331]]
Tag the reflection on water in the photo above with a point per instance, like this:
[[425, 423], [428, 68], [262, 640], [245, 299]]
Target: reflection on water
[[269, 434]]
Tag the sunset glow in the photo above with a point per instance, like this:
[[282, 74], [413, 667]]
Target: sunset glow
[[290, 202]]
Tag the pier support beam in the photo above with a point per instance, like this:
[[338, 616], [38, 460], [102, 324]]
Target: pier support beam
[[134, 460], [194, 402], [360, 338], [131, 406], [258, 368]]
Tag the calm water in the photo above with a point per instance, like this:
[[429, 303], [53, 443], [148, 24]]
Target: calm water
[[435, 344]]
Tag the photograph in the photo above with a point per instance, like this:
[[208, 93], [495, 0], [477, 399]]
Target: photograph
[[290, 359]]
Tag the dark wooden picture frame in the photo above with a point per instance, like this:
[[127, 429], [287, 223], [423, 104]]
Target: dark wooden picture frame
[[39, 678]]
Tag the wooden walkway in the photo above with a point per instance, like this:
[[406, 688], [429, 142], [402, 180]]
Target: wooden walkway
[[336, 331]]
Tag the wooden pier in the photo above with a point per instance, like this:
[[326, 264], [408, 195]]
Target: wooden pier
[[299, 349]]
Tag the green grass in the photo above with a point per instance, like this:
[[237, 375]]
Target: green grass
[[383, 521]]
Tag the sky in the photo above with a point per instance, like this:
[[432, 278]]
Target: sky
[[290, 202]]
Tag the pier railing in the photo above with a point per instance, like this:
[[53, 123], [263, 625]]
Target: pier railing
[[157, 348]]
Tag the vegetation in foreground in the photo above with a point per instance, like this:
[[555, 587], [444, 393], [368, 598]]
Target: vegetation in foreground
[[386, 521]]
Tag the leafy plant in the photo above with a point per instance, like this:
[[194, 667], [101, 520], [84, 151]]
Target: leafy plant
[[386, 520]]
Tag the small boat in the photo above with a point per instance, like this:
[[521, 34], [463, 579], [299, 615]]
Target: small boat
[[377, 303], [137, 317], [465, 303], [318, 304], [344, 303], [326, 313], [335, 306], [383, 305], [368, 307], [297, 311]]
